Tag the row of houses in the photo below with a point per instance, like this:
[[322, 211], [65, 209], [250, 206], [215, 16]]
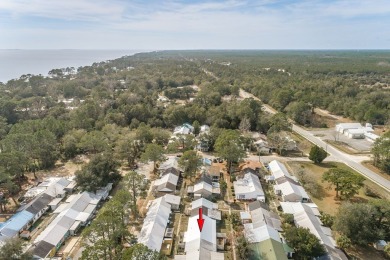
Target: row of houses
[[286, 185], [307, 215], [170, 175], [262, 228], [46, 194], [70, 216], [296, 201]]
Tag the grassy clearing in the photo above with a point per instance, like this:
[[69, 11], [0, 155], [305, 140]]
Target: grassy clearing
[[369, 165], [344, 147], [326, 201], [303, 145]]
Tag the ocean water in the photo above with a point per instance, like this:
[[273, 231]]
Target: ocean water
[[14, 63]]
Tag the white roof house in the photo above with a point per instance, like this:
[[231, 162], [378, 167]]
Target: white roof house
[[355, 133], [260, 215], [168, 178], [155, 223], [248, 188], [204, 187], [286, 185], [203, 203], [201, 245], [278, 170], [184, 129], [290, 190], [54, 186], [295, 207], [261, 233], [173, 200]]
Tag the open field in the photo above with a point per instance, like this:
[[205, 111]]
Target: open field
[[327, 202]]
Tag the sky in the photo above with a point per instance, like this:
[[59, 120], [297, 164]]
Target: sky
[[194, 24]]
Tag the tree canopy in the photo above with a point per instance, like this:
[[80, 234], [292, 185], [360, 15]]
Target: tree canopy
[[229, 146], [317, 154], [305, 244], [346, 183]]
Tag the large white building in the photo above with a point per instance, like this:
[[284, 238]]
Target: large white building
[[354, 130]]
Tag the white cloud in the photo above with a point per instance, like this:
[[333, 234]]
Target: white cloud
[[213, 24]]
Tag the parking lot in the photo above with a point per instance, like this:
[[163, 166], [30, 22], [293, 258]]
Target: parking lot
[[360, 145]]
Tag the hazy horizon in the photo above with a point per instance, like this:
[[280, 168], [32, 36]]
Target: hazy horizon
[[195, 24]]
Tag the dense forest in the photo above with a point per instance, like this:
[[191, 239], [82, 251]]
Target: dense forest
[[115, 106]]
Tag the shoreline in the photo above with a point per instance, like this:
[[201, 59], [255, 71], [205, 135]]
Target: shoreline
[[17, 62]]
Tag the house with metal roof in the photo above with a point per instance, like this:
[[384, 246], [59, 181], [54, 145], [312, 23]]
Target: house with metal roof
[[248, 188], [202, 245], [184, 129], [262, 232], [290, 190], [155, 224], [286, 185], [204, 188], [70, 216], [308, 216], [166, 184]]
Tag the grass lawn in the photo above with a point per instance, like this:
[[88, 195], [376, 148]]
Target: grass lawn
[[326, 202], [364, 253], [369, 165], [303, 145]]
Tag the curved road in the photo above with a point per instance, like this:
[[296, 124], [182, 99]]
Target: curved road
[[352, 161]]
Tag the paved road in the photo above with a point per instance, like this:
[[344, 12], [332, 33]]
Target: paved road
[[352, 161]]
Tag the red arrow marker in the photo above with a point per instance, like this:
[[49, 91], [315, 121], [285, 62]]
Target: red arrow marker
[[200, 220]]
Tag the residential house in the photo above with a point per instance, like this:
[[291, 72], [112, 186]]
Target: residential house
[[173, 200], [171, 162], [204, 188], [204, 129], [262, 232], [248, 187], [262, 146], [343, 127], [286, 186], [184, 129], [166, 184], [308, 216], [290, 190], [202, 245], [155, 223]]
